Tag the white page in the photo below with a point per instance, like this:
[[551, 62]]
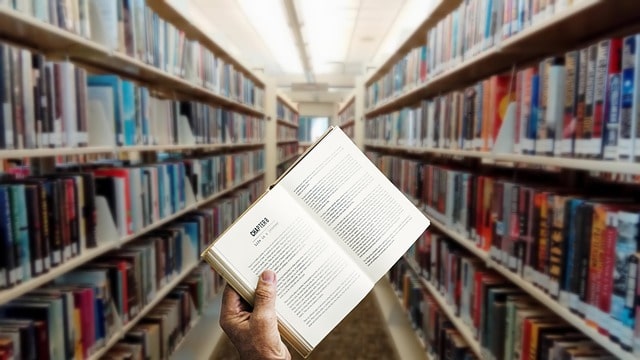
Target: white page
[[359, 205], [318, 285]]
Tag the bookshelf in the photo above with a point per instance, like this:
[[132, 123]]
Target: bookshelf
[[288, 121], [569, 27], [552, 304], [347, 117], [447, 310], [244, 97], [407, 343], [26, 30], [206, 333], [388, 92]]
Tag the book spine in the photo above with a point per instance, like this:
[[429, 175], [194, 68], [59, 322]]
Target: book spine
[[589, 103], [556, 240], [555, 105], [629, 97], [7, 274]]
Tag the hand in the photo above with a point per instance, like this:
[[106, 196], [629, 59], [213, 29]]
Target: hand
[[255, 334]]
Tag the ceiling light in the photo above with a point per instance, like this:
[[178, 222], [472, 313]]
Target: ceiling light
[[270, 22]]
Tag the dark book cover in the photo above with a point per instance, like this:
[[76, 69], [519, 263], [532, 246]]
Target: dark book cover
[[17, 97], [584, 246], [6, 230], [33, 194]]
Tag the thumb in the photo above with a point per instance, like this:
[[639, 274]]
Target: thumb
[[264, 306]]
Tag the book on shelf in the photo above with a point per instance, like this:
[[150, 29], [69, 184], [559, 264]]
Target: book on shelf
[[580, 250], [344, 224], [84, 310], [133, 29]]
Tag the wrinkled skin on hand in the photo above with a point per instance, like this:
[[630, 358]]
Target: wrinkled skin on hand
[[254, 333]]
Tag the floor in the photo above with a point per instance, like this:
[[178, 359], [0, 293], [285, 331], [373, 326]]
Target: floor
[[361, 335]]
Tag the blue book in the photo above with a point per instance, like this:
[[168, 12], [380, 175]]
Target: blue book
[[532, 126], [114, 83], [128, 112], [173, 184], [623, 288], [20, 231], [192, 228], [6, 234], [182, 174], [161, 191], [144, 115]]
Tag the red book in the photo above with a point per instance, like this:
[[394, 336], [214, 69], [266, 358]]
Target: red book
[[42, 340], [501, 95], [610, 236]]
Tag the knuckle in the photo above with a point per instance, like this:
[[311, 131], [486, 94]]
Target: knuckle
[[264, 293]]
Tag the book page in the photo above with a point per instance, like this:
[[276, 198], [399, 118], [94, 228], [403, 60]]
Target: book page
[[371, 219], [318, 285]]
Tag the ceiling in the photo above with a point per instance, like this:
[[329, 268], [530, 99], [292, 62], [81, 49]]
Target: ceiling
[[338, 39]]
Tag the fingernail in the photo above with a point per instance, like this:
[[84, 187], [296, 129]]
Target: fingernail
[[268, 276]]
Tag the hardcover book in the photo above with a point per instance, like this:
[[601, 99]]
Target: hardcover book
[[332, 225]]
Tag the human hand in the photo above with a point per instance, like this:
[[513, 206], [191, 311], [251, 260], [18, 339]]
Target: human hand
[[254, 333]]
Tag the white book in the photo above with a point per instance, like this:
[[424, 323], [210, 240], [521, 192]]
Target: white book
[[69, 107], [103, 17], [296, 214], [105, 97], [27, 98]]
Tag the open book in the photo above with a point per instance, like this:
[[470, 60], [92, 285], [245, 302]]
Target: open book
[[330, 228]]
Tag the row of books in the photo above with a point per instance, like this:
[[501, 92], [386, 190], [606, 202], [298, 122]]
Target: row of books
[[285, 113], [312, 127], [503, 321], [439, 336], [475, 26], [350, 130], [159, 332], [285, 151], [142, 34], [348, 113], [47, 220], [287, 133], [83, 309], [580, 104], [47, 105], [284, 166], [580, 250], [140, 119]]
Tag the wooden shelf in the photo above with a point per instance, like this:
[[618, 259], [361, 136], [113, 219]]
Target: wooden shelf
[[536, 293], [204, 336], [569, 29], [50, 152], [281, 142], [543, 161], [305, 143], [462, 328], [287, 123], [288, 159], [347, 123], [30, 32], [287, 103], [109, 245], [407, 344], [161, 294], [196, 27]]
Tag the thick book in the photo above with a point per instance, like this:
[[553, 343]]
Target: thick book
[[330, 227]]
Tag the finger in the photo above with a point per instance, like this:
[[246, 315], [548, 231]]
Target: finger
[[264, 306], [231, 302]]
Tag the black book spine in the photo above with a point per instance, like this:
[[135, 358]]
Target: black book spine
[[32, 193], [6, 230], [89, 209]]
